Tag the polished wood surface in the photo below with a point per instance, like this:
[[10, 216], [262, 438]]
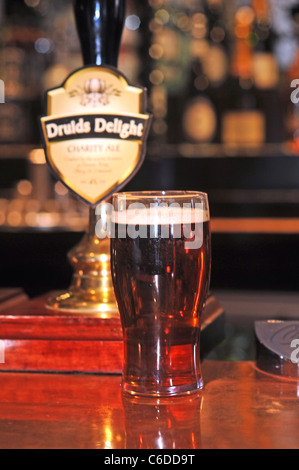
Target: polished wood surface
[[239, 408], [36, 340]]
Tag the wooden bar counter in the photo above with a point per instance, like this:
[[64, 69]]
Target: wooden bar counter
[[240, 407]]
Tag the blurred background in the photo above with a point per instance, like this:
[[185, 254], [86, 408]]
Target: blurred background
[[220, 75]]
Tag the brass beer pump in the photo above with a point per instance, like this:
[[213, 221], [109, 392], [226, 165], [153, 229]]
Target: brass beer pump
[[91, 291], [86, 95]]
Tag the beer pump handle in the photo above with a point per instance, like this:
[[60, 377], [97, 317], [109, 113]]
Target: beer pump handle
[[100, 26]]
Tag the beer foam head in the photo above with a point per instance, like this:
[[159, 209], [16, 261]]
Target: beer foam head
[[136, 214]]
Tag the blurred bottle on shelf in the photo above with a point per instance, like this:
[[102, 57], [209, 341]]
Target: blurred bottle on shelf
[[265, 66], [292, 93], [209, 68], [266, 73], [244, 122], [170, 27], [190, 54], [62, 42], [129, 61], [20, 69]]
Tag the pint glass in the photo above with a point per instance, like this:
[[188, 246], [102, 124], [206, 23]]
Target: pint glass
[[160, 258]]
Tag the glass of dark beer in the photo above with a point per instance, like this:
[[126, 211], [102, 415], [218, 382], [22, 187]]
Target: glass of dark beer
[[161, 260]]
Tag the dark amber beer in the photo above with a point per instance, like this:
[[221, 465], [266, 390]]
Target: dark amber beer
[[161, 271]]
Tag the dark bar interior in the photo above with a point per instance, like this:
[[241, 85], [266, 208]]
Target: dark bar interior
[[222, 78]]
